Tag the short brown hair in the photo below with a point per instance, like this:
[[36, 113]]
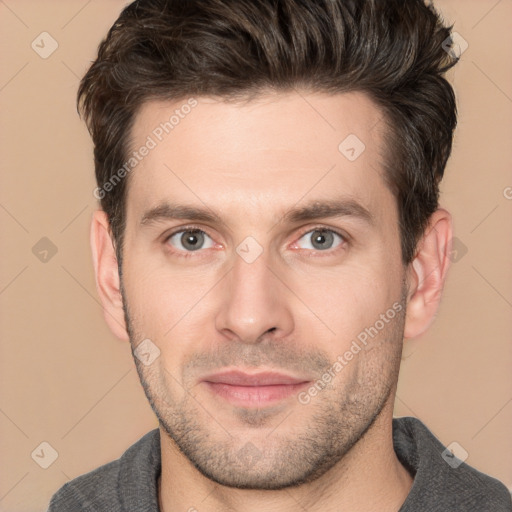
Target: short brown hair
[[392, 50]]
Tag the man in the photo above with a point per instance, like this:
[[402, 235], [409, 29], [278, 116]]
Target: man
[[269, 234]]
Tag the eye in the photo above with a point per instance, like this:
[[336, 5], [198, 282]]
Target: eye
[[190, 240], [321, 239]]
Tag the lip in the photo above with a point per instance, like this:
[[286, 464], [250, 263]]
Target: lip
[[253, 389], [238, 378]]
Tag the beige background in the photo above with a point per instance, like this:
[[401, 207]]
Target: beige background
[[65, 380]]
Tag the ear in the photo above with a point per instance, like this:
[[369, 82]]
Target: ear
[[426, 274], [107, 274]]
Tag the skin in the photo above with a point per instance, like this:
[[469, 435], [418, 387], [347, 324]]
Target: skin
[[294, 309]]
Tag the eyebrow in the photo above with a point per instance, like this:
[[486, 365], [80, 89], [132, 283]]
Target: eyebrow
[[318, 209]]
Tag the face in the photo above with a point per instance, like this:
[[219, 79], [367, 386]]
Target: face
[[262, 261]]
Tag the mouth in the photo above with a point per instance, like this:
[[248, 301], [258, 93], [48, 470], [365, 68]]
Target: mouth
[[253, 389]]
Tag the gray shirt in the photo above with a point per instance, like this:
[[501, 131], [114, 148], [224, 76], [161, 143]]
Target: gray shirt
[[441, 482]]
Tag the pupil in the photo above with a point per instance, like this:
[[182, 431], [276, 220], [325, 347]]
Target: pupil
[[321, 238], [191, 240]]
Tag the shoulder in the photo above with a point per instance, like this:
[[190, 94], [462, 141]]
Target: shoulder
[[101, 486], [86, 491], [442, 481]]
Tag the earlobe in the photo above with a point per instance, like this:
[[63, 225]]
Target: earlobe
[[107, 274], [427, 274]]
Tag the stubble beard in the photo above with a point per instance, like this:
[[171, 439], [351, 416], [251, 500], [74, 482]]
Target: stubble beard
[[338, 419]]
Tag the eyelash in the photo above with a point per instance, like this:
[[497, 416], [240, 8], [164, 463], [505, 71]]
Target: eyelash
[[188, 254]]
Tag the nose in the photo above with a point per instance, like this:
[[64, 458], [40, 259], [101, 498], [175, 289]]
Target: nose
[[254, 302]]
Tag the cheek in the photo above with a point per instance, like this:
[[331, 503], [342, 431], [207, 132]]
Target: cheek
[[160, 302], [336, 303], [348, 299]]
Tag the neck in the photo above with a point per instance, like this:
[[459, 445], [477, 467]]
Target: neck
[[368, 477]]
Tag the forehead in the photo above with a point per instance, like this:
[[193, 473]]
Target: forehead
[[272, 150]]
